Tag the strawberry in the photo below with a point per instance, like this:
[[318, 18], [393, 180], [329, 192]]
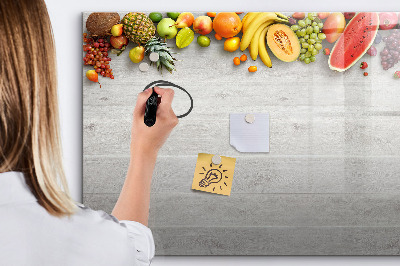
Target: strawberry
[[363, 65]]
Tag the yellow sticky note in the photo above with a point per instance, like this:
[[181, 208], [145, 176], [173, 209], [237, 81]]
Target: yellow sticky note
[[213, 178]]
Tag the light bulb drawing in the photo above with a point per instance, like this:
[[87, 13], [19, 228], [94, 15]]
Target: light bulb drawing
[[213, 176]]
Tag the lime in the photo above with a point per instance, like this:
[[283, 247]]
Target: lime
[[184, 38], [173, 15], [155, 17], [203, 41]]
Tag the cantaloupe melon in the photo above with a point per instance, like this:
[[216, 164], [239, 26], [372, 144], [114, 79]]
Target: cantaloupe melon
[[283, 42]]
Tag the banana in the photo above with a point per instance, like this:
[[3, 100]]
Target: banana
[[249, 18], [254, 25], [262, 48], [253, 48], [280, 15], [244, 19]]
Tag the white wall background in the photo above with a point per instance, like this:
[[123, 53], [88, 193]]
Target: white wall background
[[67, 25]]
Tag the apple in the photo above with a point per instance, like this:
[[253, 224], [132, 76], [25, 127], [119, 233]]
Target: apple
[[119, 42], [116, 30], [166, 28], [136, 54], [202, 25], [334, 26], [387, 20]]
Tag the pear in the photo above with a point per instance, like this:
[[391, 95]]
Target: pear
[[166, 28], [116, 30], [184, 20], [92, 75], [136, 54]]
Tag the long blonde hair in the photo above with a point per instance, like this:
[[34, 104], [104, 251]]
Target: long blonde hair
[[29, 122]]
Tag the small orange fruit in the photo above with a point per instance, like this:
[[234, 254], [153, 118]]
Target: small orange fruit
[[252, 69], [243, 58], [232, 44], [236, 61], [227, 24], [217, 37], [211, 14]]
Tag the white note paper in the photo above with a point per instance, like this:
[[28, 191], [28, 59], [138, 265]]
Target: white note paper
[[249, 137]]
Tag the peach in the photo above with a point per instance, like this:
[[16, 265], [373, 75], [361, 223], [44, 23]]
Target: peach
[[202, 25], [323, 15], [299, 15]]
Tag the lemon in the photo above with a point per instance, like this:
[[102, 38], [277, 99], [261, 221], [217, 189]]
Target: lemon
[[232, 44], [184, 38], [203, 41]]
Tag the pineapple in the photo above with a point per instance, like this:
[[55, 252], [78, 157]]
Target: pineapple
[[138, 27], [156, 45]]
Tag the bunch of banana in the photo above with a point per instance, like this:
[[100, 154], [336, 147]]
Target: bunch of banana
[[255, 26]]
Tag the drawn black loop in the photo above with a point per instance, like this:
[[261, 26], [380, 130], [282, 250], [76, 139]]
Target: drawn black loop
[[170, 84]]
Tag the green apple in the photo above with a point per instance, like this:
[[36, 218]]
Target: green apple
[[166, 28], [136, 54]]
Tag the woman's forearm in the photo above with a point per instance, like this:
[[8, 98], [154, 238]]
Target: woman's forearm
[[134, 200]]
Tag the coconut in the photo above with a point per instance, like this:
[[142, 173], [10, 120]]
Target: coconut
[[100, 23]]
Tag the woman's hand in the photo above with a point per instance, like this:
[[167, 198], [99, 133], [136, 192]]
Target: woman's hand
[[148, 140], [134, 200]]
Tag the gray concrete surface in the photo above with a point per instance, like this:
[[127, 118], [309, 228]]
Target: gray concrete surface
[[329, 186]]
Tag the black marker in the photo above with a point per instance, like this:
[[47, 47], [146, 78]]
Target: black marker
[[151, 109]]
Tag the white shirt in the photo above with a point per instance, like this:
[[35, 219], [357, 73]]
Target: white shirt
[[31, 236]]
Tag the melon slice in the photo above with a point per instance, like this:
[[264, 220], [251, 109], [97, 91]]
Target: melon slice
[[283, 42], [355, 41]]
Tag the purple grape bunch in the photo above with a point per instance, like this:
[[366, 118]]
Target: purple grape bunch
[[390, 55]]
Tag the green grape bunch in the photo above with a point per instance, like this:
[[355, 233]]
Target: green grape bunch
[[308, 31]]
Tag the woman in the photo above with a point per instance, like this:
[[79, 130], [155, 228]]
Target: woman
[[39, 222]]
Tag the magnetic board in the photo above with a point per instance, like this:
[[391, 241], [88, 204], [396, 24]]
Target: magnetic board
[[328, 186]]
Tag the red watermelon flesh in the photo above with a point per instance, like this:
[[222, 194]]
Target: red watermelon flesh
[[355, 41]]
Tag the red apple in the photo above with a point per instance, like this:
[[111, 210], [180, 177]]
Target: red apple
[[118, 42], [323, 15], [116, 30], [387, 20], [334, 26], [203, 25], [92, 75]]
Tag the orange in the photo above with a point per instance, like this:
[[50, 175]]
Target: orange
[[236, 61], [232, 44], [227, 24], [211, 14], [243, 58], [217, 37], [252, 69]]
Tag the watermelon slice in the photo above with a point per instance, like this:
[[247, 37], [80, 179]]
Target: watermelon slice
[[357, 38]]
